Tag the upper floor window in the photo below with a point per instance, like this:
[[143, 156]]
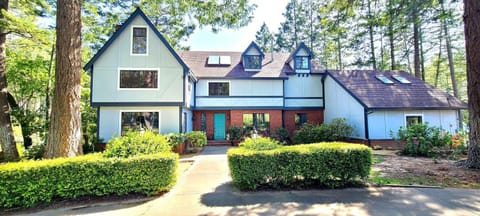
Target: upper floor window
[[138, 79], [252, 62], [301, 63], [413, 119], [218, 89], [139, 40]]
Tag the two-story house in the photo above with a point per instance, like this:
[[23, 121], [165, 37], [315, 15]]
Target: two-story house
[[139, 82]]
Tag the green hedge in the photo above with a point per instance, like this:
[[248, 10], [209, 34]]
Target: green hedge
[[330, 165], [32, 182]]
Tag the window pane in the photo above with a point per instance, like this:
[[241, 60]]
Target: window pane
[[412, 120], [139, 41], [203, 122], [258, 121], [139, 121], [218, 89], [252, 62], [138, 79], [301, 62], [300, 119]]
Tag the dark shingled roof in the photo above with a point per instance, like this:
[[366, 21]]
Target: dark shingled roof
[[374, 94], [197, 62]]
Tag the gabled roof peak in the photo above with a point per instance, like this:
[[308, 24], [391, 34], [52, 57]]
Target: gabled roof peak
[[137, 12], [254, 46], [300, 46]]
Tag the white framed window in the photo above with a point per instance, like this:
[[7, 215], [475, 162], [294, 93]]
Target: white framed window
[[138, 78], [220, 88], [139, 120], [411, 119], [302, 63], [252, 62], [139, 40]]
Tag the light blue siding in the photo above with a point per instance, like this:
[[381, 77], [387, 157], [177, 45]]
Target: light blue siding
[[382, 123], [340, 104], [118, 56], [110, 119]]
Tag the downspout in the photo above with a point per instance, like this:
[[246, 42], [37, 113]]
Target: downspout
[[283, 110], [365, 116]]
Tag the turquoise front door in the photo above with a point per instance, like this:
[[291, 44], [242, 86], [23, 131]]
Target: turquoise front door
[[219, 126]]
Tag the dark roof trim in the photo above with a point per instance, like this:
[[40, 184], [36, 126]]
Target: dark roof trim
[[414, 108], [243, 78], [347, 90], [303, 108], [96, 104], [255, 46], [300, 47], [137, 12], [240, 108]]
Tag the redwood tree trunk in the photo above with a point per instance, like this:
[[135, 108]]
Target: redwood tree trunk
[[416, 44], [7, 140], [472, 44], [64, 137]]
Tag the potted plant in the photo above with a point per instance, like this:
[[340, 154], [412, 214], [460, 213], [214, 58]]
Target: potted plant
[[235, 134], [177, 142], [196, 140]]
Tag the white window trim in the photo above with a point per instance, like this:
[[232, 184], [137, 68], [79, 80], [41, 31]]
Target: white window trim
[[413, 114], [131, 40], [137, 69], [212, 81], [136, 110]]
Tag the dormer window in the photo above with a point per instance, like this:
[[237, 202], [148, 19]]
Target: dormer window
[[302, 63], [252, 62], [252, 58], [139, 40]]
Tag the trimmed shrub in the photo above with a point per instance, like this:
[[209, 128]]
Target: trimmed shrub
[[329, 165], [422, 140], [281, 135], [175, 139], [261, 143], [137, 143], [197, 138], [336, 130], [32, 182]]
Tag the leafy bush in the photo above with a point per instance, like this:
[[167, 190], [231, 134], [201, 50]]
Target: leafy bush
[[197, 138], [32, 182], [136, 143], [336, 130], [261, 143], [323, 164], [34, 152], [235, 132], [422, 140], [175, 139], [281, 135]]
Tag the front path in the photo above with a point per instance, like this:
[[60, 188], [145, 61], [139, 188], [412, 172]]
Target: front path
[[206, 190]]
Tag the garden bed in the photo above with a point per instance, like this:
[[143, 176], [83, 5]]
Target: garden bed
[[390, 168]]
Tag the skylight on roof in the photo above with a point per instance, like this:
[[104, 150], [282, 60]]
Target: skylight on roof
[[384, 79], [213, 60], [225, 60], [401, 79]]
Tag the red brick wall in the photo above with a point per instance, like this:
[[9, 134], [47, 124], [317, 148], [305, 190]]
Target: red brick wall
[[313, 116], [236, 117]]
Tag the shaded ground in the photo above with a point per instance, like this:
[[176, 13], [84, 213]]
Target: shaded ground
[[390, 168]]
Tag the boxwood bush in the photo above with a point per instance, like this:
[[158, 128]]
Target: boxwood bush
[[137, 143], [32, 182], [329, 165]]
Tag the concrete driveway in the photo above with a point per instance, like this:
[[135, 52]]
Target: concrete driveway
[[205, 189]]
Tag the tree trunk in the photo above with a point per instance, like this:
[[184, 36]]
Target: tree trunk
[[64, 137], [7, 140], [472, 44], [339, 53], [437, 74], [450, 64], [370, 31], [48, 88], [422, 54], [21, 118], [391, 36], [416, 45]]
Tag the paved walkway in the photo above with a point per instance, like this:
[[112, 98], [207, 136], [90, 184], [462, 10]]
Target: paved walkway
[[206, 190]]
